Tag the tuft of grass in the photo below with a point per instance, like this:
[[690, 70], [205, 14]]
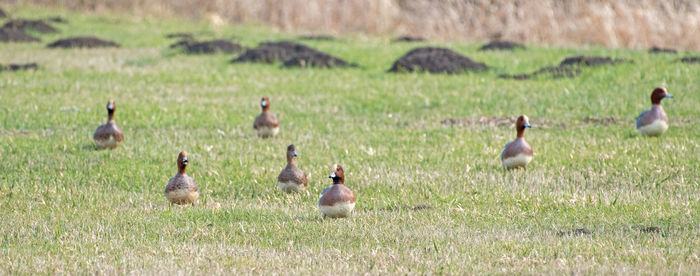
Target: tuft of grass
[[67, 208]]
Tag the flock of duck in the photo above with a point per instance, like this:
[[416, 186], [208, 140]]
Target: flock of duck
[[337, 200]]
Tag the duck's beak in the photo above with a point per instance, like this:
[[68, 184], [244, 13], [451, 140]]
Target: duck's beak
[[294, 153], [528, 125], [184, 161], [263, 103], [332, 175], [668, 96], [110, 107]]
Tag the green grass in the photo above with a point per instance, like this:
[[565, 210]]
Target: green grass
[[67, 208]]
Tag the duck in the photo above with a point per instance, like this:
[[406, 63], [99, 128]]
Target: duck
[[181, 188], [337, 201], [517, 153], [292, 179], [109, 135], [266, 124], [654, 122]]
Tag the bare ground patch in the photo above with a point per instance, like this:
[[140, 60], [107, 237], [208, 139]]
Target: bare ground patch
[[574, 232], [592, 61], [14, 35], [317, 37], [18, 67], [211, 47], [408, 38], [435, 60], [25, 24], [291, 54], [82, 42], [502, 45], [659, 50], [690, 59]]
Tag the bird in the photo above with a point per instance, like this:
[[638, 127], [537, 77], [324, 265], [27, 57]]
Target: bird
[[337, 201], [181, 188], [518, 153], [108, 135], [292, 179], [266, 124], [653, 122]]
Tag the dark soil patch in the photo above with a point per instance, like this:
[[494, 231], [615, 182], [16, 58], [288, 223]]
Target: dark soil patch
[[3, 14], [420, 207], [592, 61], [270, 52], [182, 43], [13, 35], [602, 121], [212, 47], [657, 50], [436, 60], [18, 67], [57, 19], [188, 36], [292, 55], [552, 71], [651, 229], [317, 37], [690, 60], [82, 42], [407, 38], [502, 45], [36, 25], [574, 232], [316, 59]]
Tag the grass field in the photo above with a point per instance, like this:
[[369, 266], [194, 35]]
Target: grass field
[[67, 208]]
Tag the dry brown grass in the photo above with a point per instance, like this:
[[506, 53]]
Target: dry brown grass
[[627, 23]]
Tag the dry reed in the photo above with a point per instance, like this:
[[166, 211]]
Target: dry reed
[[622, 23]]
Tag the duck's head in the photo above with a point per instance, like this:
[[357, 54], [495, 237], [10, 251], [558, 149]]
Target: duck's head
[[111, 107], [291, 153], [521, 124], [659, 94], [337, 174], [182, 161], [265, 103]]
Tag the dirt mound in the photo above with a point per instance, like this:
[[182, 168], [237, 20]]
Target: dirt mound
[[82, 42], [316, 59], [690, 60], [502, 45], [270, 52], [211, 47], [602, 121], [12, 35], [555, 72], [17, 67], [36, 25], [3, 14], [189, 36], [57, 19], [651, 229], [407, 38], [657, 50], [435, 60], [592, 61], [317, 37], [574, 232]]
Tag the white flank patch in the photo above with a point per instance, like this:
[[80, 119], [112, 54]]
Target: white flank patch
[[107, 143], [268, 132], [517, 161], [654, 129], [338, 210], [290, 187], [182, 196]]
